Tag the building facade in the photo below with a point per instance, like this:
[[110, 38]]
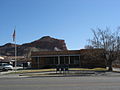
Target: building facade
[[71, 58]]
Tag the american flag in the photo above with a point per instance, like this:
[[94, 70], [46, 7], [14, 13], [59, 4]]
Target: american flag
[[14, 35]]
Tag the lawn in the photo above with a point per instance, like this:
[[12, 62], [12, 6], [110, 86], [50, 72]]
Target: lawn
[[50, 70]]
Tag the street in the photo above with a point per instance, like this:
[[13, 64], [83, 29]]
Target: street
[[61, 83]]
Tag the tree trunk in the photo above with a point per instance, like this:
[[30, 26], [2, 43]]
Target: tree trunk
[[110, 68], [110, 65]]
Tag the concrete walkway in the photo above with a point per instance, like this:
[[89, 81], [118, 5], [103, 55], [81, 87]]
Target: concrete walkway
[[6, 74]]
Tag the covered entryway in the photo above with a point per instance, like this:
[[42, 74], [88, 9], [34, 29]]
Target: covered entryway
[[51, 61]]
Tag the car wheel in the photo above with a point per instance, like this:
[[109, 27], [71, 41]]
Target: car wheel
[[4, 69]]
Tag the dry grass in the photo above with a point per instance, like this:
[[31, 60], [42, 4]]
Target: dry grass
[[94, 69], [49, 70]]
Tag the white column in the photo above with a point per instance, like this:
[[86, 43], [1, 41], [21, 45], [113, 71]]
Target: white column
[[79, 60], [38, 61], [53, 60], [58, 60], [69, 59]]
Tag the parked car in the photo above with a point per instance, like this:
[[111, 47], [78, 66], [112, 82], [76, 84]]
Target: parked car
[[6, 67]]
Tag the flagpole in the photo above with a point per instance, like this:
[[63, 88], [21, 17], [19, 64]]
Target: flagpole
[[15, 56], [14, 40]]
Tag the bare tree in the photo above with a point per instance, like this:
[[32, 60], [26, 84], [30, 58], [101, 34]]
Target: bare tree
[[88, 47], [109, 41]]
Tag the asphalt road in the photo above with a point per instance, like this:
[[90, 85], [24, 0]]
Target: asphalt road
[[61, 83]]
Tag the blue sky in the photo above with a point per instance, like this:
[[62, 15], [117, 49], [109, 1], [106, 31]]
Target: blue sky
[[71, 20]]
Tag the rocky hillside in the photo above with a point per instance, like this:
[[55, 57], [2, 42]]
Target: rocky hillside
[[46, 43]]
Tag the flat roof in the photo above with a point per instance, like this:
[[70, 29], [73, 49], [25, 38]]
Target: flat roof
[[48, 53], [64, 52]]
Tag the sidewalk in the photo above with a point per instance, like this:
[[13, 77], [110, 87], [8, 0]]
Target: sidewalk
[[116, 72], [6, 74], [12, 74]]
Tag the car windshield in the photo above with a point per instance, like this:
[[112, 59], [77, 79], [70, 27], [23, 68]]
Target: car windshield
[[6, 65]]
